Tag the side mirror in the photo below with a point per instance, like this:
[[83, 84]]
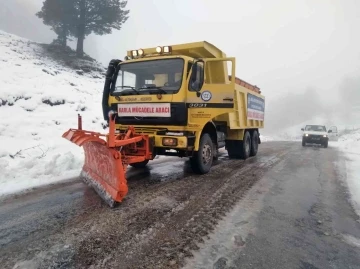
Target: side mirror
[[114, 77], [194, 72], [330, 131], [109, 86], [302, 129], [197, 76]]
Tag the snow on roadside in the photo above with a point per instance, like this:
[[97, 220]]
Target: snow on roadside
[[349, 144], [265, 138], [39, 101]]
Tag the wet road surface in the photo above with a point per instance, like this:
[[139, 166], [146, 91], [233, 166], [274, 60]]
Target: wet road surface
[[297, 216], [287, 208]]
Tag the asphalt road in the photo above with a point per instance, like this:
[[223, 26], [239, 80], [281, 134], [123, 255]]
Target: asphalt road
[[286, 208]]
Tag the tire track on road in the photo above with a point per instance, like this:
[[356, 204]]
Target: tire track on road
[[175, 233], [152, 217]]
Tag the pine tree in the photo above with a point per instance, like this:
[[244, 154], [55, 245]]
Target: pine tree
[[61, 15], [98, 17], [80, 18]]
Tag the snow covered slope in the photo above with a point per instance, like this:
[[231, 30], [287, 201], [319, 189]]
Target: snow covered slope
[[39, 100]]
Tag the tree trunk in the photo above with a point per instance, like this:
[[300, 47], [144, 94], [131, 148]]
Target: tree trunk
[[80, 47], [81, 30], [64, 36]]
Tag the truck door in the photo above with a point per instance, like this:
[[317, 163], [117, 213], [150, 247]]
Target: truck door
[[333, 133], [210, 93]]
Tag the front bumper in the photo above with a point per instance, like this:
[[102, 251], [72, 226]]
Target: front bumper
[[315, 139], [180, 140]]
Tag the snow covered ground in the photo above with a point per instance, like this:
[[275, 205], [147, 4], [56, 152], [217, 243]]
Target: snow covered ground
[[39, 101], [349, 144]]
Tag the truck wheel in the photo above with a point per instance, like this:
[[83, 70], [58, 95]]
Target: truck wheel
[[216, 153], [303, 143], [140, 164], [246, 146], [254, 143], [326, 144], [202, 160], [238, 149]]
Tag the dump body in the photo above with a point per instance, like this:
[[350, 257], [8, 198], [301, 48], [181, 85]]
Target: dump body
[[249, 110]]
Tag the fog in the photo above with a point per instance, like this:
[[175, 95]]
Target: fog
[[304, 55]]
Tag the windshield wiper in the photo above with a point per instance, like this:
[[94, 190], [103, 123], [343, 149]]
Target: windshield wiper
[[161, 90], [133, 88]]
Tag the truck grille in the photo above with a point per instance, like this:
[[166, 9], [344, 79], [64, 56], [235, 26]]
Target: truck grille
[[314, 137]]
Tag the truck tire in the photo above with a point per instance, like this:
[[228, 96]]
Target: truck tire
[[238, 149], [216, 153], [140, 164], [303, 143], [326, 144], [202, 160], [246, 146], [254, 143]]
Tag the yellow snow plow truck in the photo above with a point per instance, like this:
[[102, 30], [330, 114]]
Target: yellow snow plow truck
[[169, 100]]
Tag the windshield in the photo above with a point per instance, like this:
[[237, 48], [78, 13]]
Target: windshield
[[148, 77], [315, 128]]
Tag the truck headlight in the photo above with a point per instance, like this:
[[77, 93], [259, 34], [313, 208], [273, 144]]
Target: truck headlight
[[167, 49], [134, 53], [306, 134], [324, 135]]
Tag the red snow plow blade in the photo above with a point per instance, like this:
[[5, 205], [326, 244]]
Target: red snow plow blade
[[107, 157]]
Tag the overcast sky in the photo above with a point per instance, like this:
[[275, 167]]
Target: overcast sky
[[280, 45]]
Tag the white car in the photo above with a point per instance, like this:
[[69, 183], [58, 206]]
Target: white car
[[315, 134]]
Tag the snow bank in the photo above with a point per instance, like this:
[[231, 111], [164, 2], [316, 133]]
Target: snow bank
[[265, 138], [39, 101], [349, 144]]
